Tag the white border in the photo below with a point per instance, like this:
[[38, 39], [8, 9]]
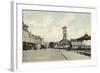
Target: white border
[[17, 37]]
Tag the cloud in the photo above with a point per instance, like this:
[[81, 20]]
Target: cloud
[[49, 24], [67, 19]]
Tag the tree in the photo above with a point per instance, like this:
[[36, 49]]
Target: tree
[[51, 44]]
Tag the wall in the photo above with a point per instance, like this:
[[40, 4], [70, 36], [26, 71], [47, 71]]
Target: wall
[[5, 39]]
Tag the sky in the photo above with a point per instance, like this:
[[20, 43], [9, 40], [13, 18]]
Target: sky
[[48, 24]]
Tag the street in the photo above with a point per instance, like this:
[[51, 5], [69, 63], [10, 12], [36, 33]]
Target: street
[[51, 55]]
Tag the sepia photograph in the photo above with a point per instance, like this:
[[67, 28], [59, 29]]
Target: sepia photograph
[[55, 36]]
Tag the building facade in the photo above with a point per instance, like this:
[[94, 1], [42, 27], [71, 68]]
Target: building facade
[[30, 41], [82, 43], [64, 43]]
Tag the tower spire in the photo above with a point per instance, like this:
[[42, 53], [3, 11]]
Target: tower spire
[[64, 33]]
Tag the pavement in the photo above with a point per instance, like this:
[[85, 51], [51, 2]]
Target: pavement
[[71, 55], [51, 55]]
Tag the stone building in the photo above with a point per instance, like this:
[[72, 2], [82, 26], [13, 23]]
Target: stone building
[[30, 41], [82, 43], [64, 43]]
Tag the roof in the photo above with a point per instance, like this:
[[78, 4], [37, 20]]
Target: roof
[[84, 37]]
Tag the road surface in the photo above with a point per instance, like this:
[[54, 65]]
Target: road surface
[[51, 55]]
